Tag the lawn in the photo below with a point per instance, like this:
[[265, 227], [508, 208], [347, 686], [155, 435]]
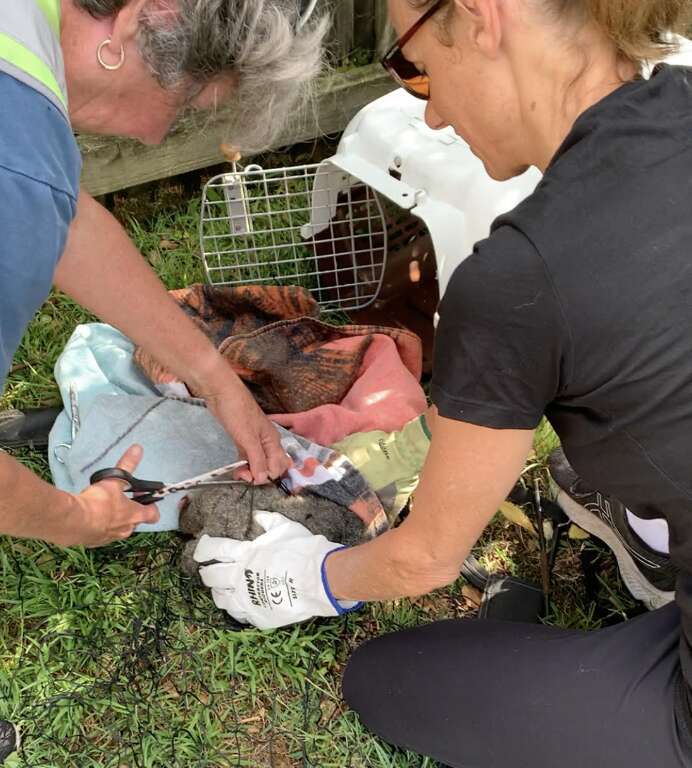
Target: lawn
[[111, 658]]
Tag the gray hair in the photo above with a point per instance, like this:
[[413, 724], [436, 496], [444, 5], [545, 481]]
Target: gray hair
[[256, 42]]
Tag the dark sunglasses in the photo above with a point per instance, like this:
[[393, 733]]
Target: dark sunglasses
[[401, 69]]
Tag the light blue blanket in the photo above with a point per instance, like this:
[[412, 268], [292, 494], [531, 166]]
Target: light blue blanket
[[119, 407]]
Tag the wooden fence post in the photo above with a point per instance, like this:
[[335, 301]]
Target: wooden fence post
[[343, 32], [384, 32], [364, 27], [360, 25]]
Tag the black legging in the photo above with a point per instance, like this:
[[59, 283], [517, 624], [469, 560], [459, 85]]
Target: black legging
[[488, 694]]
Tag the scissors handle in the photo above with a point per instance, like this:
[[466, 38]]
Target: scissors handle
[[144, 491]]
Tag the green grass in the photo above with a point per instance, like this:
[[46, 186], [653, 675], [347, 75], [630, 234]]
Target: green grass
[[110, 658]]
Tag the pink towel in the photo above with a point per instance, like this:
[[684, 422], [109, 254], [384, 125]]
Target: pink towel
[[386, 395]]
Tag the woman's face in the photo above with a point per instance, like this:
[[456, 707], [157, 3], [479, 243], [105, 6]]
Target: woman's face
[[142, 109], [128, 100], [471, 83], [133, 103]]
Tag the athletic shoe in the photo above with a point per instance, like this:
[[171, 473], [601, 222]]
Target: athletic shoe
[[649, 575], [9, 739], [26, 429]]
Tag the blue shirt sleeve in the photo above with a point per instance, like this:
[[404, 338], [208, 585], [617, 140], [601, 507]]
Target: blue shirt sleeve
[[39, 185]]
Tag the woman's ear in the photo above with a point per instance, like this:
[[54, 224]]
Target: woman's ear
[[483, 19], [126, 22]]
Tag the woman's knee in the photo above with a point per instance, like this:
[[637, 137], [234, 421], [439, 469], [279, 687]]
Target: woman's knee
[[390, 673], [357, 683]]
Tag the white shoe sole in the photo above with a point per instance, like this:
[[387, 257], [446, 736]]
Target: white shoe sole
[[635, 581]]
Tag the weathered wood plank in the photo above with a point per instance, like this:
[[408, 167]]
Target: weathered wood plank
[[112, 164], [364, 25], [384, 32], [343, 30]]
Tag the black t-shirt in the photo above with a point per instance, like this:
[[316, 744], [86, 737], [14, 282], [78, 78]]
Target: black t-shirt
[[579, 306]]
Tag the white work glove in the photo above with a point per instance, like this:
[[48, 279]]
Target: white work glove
[[277, 579]]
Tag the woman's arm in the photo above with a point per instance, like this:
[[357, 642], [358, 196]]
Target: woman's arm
[[103, 271], [32, 509], [468, 474], [287, 574]]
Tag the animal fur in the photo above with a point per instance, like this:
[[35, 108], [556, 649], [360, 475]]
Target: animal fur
[[227, 511]]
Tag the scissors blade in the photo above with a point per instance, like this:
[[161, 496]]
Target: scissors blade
[[208, 478]]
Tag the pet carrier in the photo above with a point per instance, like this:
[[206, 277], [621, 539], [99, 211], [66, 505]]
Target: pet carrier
[[398, 203], [377, 229], [257, 228]]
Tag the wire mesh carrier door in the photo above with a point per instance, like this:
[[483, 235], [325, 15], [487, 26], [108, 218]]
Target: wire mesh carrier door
[[310, 225]]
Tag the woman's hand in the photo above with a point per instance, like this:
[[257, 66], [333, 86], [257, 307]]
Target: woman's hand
[[137, 303], [254, 434], [274, 580], [103, 513]]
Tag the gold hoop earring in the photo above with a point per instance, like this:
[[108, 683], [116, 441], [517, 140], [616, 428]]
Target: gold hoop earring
[[99, 56]]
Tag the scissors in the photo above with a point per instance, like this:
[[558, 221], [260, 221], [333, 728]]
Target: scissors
[[151, 491]]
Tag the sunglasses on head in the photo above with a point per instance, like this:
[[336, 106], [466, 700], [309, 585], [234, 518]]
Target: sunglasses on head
[[401, 69]]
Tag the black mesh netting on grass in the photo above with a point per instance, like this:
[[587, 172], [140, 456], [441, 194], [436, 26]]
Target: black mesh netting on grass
[[110, 657]]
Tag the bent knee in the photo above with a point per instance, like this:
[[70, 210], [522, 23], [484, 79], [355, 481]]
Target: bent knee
[[357, 682]]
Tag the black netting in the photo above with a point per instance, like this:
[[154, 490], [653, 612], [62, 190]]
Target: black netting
[[112, 658]]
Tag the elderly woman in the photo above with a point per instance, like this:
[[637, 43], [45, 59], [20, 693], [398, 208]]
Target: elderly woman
[[125, 67], [578, 306]]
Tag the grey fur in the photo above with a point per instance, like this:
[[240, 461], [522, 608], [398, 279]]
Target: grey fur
[[253, 41], [227, 511]]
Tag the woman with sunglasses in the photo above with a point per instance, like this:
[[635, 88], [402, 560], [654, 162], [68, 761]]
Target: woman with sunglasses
[[578, 306]]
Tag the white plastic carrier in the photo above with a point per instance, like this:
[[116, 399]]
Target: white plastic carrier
[[393, 185]]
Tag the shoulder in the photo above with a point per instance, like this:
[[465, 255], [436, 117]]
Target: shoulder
[[501, 345], [39, 177], [36, 141], [504, 269]]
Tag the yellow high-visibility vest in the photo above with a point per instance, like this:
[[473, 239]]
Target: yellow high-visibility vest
[[30, 47]]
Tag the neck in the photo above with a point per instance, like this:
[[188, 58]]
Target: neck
[[556, 86], [80, 35]]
